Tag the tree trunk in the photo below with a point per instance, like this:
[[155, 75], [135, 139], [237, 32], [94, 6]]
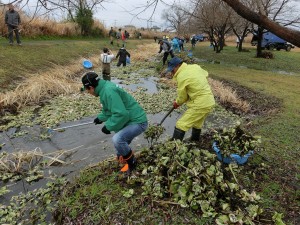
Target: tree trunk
[[241, 45], [287, 34], [260, 33]]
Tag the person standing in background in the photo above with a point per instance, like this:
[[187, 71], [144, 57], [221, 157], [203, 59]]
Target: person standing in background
[[122, 55], [123, 37], [118, 36], [12, 20], [111, 35], [106, 57]]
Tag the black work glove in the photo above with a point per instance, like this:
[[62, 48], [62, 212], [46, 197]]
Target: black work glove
[[97, 121], [105, 131]]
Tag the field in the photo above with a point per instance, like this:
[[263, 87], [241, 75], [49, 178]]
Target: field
[[270, 86]]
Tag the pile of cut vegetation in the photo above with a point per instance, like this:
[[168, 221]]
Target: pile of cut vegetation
[[176, 175], [173, 183]]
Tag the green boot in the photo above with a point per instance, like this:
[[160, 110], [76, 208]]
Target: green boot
[[178, 134]]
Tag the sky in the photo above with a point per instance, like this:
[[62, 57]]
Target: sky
[[119, 13]]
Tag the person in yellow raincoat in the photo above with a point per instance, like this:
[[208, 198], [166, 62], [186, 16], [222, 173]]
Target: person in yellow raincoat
[[194, 90]]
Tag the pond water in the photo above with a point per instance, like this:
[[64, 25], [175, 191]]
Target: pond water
[[149, 84]]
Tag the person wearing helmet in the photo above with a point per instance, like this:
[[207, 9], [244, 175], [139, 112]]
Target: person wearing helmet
[[121, 114], [194, 90]]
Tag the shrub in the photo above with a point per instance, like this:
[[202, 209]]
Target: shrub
[[267, 55]]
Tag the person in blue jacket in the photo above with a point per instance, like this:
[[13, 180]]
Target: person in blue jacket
[[121, 114]]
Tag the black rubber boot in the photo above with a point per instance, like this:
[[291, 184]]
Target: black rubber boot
[[195, 135], [130, 161], [178, 134]]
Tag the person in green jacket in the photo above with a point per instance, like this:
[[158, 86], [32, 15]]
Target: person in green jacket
[[194, 90], [121, 113]]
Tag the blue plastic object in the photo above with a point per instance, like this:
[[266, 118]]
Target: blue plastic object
[[190, 54], [128, 60], [87, 64], [240, 160]]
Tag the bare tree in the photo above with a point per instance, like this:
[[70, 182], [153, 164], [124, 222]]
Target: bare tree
[[262, 20], [176, 18], [213, 17], [240, 26], [68, 6]]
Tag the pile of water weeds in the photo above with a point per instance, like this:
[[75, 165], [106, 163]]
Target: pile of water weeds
[[173, 183]]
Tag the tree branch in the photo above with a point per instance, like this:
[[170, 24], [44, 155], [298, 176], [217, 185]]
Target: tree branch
[[287, 34]]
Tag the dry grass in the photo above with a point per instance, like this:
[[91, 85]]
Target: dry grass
[[144, 52], [44, 27], [61, 80], [23, 161], [226, 95]]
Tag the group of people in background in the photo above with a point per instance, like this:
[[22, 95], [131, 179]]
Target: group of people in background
[[170, 46], [119, 35]]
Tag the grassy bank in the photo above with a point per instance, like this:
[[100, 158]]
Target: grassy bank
[[281, 140], [19, 62]]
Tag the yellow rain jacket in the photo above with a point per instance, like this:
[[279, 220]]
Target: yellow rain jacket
[[194, 90]]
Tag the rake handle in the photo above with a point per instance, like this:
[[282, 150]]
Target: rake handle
[[76, 125], [170, 111]]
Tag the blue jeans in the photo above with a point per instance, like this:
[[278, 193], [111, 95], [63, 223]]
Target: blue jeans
[[123, 138]]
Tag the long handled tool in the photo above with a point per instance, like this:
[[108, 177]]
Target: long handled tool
[[170, 111], [71, 126], [4, 35]]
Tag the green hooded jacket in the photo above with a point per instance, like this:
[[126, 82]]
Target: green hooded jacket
[[193, 87], [119, 109]]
